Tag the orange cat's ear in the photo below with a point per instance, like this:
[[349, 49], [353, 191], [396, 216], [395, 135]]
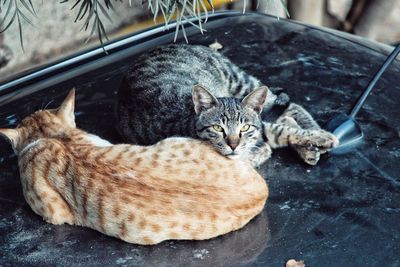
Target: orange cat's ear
[[66, 110], [255, 100], [12, 135]]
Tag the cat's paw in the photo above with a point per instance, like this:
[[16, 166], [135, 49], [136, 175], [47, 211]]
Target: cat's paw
[[282, 99], [58, 219], [321, 139], [309, 155], [260, 154]]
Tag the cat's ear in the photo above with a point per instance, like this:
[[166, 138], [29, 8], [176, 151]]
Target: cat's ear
[[202, 99], [66, 110], [12, 135], [256, 99]]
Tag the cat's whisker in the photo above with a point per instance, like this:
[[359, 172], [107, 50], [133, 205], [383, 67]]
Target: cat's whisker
[[51, 101]]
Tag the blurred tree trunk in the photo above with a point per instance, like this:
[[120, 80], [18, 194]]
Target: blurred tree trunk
[[368, 14], [364, 17], [308, 11], [315, 12]]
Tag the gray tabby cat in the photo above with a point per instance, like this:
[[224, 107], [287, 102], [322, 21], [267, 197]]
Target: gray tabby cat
[[164, 94]]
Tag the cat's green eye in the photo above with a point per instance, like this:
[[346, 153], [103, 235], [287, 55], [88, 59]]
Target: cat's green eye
[[218, 128], [245, 128]]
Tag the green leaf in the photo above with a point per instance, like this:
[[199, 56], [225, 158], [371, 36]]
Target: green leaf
[[163, 14], [102, 9], [7, 12], [100, 32], [34, 11], [25, 4], [178, 22], [94, 27], [109, 5], [92, 9], [155, 13], [9, 23], [205, 10], [76, 3], [199, 18], [171, 12], [194, 25], [184, 33], [24, 17], [91, 13], [83, 5], [20, 33], [103, 30], [80, 17], [210, 2]]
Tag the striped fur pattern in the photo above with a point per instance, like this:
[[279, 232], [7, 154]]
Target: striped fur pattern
[[158, 98], [297, 129], [179, 188], [305, 128], [188, 90]]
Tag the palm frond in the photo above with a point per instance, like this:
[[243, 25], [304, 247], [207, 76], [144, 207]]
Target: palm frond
[[15, 12], [92, 12], [183, 10]]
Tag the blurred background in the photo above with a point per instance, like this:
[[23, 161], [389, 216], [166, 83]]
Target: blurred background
[[50, 30]]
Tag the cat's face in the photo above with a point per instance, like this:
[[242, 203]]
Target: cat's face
[[42, 124], [232, 126]]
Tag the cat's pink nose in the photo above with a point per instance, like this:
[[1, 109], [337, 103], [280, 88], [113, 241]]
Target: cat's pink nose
[[233, 143]]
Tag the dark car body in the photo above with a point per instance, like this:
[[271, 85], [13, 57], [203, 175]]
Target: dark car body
[[343, 212]]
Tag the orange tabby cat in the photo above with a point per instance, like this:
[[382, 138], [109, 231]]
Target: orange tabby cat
[[179, 188]]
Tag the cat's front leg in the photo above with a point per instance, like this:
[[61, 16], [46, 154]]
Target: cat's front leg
[[296, 116], [45, 201], [310, 154], [281, 135], [260, 153], [282, 99], [275, 99]]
